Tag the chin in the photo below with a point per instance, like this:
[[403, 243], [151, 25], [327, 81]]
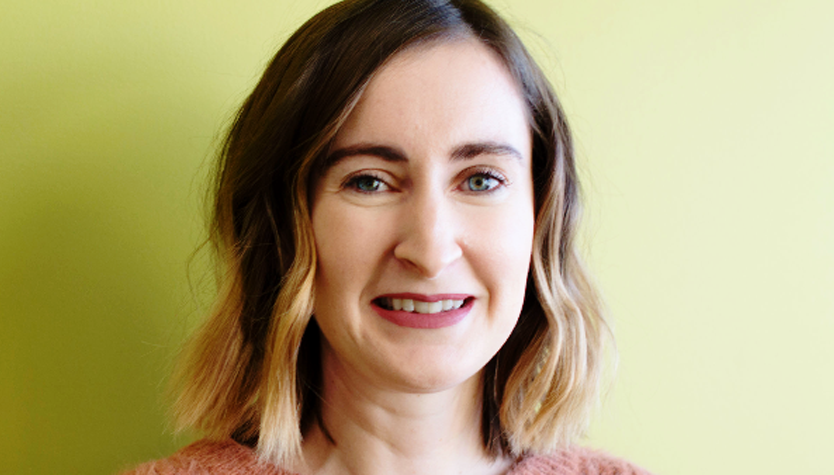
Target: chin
[[433, 371]]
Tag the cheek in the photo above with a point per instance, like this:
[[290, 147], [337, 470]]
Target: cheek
[[503, 252], [516, 264], [348, 245], [334, 249]]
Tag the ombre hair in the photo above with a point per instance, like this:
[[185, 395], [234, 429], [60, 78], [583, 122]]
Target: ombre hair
[[253, 371]]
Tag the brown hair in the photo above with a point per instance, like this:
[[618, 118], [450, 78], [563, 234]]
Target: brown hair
[[252, 372]]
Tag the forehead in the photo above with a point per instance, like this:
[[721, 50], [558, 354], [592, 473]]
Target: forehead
[[443, 91]]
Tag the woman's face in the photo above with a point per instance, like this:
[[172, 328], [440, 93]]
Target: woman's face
[[424, 222]]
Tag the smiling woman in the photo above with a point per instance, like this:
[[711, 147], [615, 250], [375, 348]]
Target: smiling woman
[[395, 209], [445, 218]]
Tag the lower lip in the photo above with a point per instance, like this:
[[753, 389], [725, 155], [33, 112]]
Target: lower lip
[[425, 320]]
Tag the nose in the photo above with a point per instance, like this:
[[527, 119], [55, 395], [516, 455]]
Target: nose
[[428, 241]]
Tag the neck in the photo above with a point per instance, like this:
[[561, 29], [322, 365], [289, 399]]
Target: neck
[[372, 429]]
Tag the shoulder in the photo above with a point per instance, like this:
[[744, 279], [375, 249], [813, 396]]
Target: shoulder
[[206, 457], [575, 461]]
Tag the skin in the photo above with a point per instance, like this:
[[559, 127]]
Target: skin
[[431, 193]]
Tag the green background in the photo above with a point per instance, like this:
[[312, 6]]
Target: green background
[[704, 134]]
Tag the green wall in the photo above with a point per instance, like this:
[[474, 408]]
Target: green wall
[[703, 130]]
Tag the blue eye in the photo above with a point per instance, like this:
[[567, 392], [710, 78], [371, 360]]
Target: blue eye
[[481, 182], [365, 183]]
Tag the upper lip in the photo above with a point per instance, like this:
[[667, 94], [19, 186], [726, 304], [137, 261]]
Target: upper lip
[[425, 297]]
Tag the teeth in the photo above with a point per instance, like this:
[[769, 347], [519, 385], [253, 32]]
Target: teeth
[[421, 307]]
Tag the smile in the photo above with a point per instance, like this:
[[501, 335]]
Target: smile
[[419, 306], [423, 311]]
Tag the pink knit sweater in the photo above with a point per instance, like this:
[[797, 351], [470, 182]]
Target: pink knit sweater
[[228, 457]]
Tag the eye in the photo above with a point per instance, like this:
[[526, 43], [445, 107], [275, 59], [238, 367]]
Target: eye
[[482, 182], [365, 184]]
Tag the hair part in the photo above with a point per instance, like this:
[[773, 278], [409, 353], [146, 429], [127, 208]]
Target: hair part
[[253, 371]]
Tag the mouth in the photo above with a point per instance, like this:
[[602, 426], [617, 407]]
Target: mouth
[[423, 311], [420, 306]]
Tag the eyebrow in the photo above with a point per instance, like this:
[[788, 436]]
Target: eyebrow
[[466, 151], [472, 150]]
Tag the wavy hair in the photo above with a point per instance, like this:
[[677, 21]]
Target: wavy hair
[[253, 371]]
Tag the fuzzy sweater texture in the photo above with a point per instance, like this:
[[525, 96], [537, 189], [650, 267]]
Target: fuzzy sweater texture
[[228, 457]]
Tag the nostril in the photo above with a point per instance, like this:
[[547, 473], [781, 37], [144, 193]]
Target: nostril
[[429, 254]]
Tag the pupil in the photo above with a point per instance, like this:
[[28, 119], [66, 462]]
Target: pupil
[[368, 184], [477, 183]]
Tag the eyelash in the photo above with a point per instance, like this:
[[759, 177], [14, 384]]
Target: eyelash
[[488, 173], [353, 182]]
